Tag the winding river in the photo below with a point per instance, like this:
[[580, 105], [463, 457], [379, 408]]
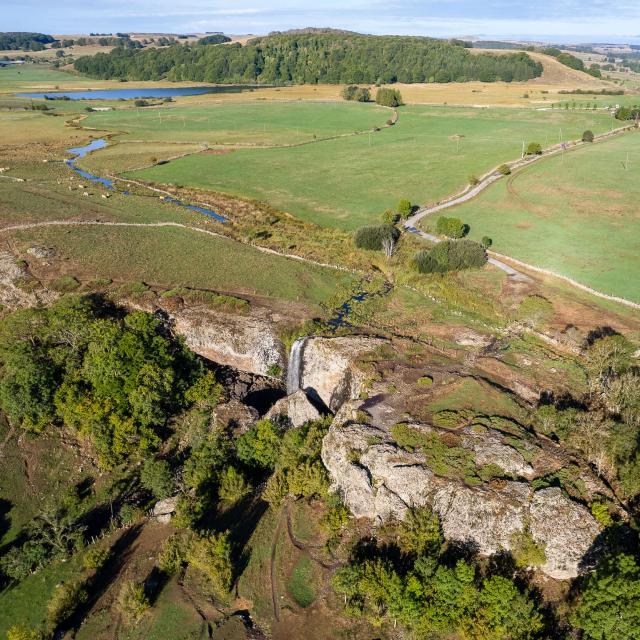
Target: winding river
[[94, 145]]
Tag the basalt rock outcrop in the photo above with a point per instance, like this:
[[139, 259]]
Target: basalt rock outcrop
[[296, 408], [380, 480], [248, 343], [326, 368]]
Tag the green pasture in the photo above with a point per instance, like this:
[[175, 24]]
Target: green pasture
[[577, 215], [170, 257], [240, 123], [34, 77], [429, 154]]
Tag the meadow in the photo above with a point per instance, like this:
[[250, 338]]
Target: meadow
[[241, 123], [429, 154], [576, 215]]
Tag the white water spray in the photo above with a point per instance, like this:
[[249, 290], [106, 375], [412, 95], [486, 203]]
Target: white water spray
[[295, 366]]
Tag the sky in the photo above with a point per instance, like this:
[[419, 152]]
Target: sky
[[550, 20]]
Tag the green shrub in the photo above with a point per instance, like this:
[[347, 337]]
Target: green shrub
[[600, 511], [451, 227], [404, 208], [233, 486], [212, 555], [473, 181], [450, 255], [425, 381], [172, 556], [372, 238], [390, 217], [533, 149], [504, 169], [357, 94], [133, 602], [64, 602], [95, 557], [525, 551], [588, 136], [388, 97], [18, 632], [274, 370], [156, 477], [486, 242]]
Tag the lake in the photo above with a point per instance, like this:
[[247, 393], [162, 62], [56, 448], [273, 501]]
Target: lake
[[140, 92]]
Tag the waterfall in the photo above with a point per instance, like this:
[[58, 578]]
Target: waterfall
[[295, 366]]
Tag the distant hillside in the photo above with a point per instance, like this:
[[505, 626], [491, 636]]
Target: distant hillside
[[23, 40], [314, 58]]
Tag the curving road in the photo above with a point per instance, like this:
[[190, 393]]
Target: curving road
[[471, 192]]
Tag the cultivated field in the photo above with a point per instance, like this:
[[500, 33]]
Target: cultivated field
[[577, 215], [429, 154]]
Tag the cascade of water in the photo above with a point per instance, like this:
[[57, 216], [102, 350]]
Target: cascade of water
[[294, 368]]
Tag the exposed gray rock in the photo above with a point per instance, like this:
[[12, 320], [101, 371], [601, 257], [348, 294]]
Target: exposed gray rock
[[164, 509], [489, 449], [328, 370], [296, 407], [248, 343], [565, 527], [378, 480]]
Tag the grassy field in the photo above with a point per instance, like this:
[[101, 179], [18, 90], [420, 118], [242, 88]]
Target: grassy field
[[348, 182], [253, 124], [577, 216], [171, 257]]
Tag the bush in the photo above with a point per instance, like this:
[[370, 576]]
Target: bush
[[450, 255], [132, 602], [525, 551], [233, 486], [451, 227], [212, 555], [205, 391], [390, 217], [140, 103], [486, 242], [388, 97], [274, 370], [533, 149], [504, 169], [473, 181], [588, 136], [404, 208], [64, 602], [172, 556], [23, 633], [156, 477], [357, 94], [372, 238], [259, 447], [95, 558]]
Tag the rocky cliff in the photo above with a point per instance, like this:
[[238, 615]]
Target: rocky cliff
[[379, 480]]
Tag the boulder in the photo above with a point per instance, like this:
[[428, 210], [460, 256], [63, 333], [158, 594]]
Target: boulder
[[296, 407], [566, 529], [379, 480], [248, 343], [164, 509], [328, 371]]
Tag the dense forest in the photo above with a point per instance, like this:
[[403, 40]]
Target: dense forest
[[23, 40], [314, 58]]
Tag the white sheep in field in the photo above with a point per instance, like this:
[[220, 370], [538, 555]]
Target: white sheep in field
[[86, 193]]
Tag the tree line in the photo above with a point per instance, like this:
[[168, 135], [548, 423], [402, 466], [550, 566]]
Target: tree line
[[314, 58]]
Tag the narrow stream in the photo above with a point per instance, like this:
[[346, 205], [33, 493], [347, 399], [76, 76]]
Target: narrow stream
[[81, 152]]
